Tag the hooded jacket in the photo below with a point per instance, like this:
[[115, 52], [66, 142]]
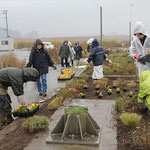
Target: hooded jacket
[[64, 50], [15, 77], [40, 59], [138, 48], [144, 92], [97, 54], [78, 49]]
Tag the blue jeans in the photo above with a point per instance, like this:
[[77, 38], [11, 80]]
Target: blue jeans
[[44, 83]]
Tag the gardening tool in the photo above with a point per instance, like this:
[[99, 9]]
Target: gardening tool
[[144, 59]]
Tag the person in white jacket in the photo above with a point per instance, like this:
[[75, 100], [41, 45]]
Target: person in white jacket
[[140, 47]]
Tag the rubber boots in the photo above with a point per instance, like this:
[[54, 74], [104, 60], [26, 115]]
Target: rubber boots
[[9, 118]]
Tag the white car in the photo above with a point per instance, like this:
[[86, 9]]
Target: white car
[[48, 45]]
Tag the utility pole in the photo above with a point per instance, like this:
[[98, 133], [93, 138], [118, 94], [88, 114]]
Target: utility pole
[[101, 28], [5, 13]]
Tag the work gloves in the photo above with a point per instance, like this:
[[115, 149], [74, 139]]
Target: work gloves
[[140, 59], [23, 102]]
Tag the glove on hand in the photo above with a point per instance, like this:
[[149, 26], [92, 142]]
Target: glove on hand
[[137, 56]]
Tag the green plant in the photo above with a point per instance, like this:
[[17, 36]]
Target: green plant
[[130, 119], [82, 94], [124, 89], [118, 90], [75, 110], [109, 91], [100, 95], [36, 123], [123, 103], [130, 94], [55, 103], [107, 70], [131, 85]]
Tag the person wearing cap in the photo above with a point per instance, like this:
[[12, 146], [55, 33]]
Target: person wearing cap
[[140, 47], [64, 53], [40, 60], [14, 78]]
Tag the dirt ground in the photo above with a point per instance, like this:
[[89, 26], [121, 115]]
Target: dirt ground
[[90, 93]]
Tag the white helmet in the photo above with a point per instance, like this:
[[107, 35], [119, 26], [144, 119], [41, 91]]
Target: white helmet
[[89, 42]]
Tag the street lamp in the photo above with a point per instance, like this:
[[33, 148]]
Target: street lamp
[[130, 24]]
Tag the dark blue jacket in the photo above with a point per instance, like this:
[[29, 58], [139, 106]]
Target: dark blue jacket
[[40, 59], [78, 49], [97, 54]]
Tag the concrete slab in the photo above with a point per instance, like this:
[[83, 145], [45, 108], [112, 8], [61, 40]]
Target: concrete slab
[[100, 110]]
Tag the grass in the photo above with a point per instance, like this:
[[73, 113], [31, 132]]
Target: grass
[[130, 119], [122, 103], [10, 60], [75, 110], [36, 124], [55, 103]]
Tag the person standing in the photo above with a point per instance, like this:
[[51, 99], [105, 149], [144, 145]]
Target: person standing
[[40, 60], [97, 56], [64, 53], [140, 47], [78, 49], [72, 53]]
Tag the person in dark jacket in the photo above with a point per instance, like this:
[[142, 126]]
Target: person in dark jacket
[[97, 56], [64, 53], [40, 60], [14, 78], [78, 49]]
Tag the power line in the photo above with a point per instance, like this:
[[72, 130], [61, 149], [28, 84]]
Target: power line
[[114, 17]]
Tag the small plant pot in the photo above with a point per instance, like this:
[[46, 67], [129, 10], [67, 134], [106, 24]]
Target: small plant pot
[[114, 86], [100, 97], [124, 90], [85, 88], [130, 96], [118, 92], [15, 114], [96, 93], [83, 96], [108, 93], [25, 114]]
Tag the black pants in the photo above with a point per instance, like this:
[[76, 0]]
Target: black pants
[[66, 62], [5, 101]]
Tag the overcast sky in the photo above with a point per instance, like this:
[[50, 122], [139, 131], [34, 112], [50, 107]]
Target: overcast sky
[[53, 18]]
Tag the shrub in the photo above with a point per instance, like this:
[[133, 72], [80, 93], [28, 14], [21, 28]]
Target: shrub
[[122, 103], [131, 85], [10, 60], [107, 70], [130, 119], [36, 124], [55, 103]]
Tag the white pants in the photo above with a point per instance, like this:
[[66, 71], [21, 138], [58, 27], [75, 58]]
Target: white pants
[[98, 72]]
